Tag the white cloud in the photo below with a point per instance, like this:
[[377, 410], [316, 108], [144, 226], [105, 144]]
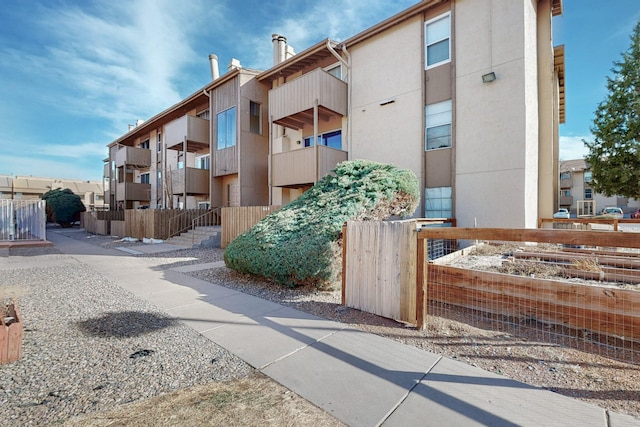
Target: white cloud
[[572, 147], [120, 62]]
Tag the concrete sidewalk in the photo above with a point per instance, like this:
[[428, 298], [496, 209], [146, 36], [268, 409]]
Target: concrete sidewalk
[[360, 378]]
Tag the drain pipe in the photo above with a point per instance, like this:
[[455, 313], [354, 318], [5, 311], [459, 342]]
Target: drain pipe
[[347, 65]]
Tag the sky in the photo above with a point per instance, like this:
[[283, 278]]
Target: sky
[[75, 73]]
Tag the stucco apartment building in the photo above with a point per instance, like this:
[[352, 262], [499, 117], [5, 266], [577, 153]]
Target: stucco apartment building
[[467, 94], [32, 188], [576, 191]]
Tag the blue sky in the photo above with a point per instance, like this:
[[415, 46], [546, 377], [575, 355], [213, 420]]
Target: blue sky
[[75, 73]]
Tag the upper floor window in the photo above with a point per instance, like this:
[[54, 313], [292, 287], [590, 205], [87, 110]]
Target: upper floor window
[[438, 129], [588, 194], [330, 139], [226, 128], [159, 139], [565, 175], [437, 36], [144, 178], [588, 176], [203, 114], [145, 144], [335, 71], [255, 118], [203, 162]]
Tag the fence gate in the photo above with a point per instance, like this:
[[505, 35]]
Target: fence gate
[[379, 270], [22, 220]]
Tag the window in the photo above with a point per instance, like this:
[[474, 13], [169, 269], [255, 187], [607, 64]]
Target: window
[[226, 132], [565, 193], [437, 35], [203, 114], [203, 162], [255, 122], [335, 71], [145, 144], [159, 142], [587, 193], [144, 178], [588, 176], [159, 183], [438, 202], [438, 129], [330, 139], [565, 175]]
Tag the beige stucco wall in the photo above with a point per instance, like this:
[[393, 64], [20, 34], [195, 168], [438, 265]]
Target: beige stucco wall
[[496, 137], [389, 67]]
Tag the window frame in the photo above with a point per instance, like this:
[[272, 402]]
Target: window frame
[[427, 43], [230, 139], [252, 117], [308, 140], [438, 124]]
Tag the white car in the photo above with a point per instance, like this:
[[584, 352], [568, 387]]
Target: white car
[[562, 213], [613, 212]]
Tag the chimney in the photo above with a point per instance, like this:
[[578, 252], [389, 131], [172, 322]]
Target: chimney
[[234, 64], [213, 61], [279, 48]]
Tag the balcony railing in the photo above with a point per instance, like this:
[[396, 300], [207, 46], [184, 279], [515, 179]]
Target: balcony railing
[[292, 104], [133, 191], [566, 200], [566, 183], [194, 129], [197, 181], [298, 167], [132, 156]]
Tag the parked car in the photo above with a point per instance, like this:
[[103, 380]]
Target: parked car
[[562, 213], [613, 212], [636, 214]]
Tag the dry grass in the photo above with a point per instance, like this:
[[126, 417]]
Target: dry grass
[[254, 401], [587, 264]]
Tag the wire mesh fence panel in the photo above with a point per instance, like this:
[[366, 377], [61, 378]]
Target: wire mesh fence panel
[[584, 296]]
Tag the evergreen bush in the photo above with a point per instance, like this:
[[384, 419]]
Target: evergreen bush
[[63, 207], [301, 243]]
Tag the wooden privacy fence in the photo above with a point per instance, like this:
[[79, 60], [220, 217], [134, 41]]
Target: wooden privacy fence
[[379, 266], [155, 223], [101, 222], [237, 220]]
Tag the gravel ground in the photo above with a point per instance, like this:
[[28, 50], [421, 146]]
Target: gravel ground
[[89, 345], [611, 384]]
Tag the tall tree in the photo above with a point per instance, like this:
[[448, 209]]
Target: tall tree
[[614, 154], [63, 207]]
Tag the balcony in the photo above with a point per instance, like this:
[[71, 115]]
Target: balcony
[[133, 191], [297, 168], [194, 129], [566, 183], [565, 200], [137, 158], [197, 181], [291, 105]]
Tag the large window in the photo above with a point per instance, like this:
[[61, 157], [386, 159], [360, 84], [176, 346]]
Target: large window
[[588, 176], [330, 139], [438, 128], [144, 178], [226, 122], [255, 118], [145, 144], [437, 36], [438, 202]]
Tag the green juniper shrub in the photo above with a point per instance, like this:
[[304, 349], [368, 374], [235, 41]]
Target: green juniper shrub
[[63, 207], [301, 243]]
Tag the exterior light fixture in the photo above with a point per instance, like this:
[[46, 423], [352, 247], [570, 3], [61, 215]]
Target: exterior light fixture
[[489, 77]]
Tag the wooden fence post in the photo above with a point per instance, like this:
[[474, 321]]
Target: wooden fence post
[[421, 284], [344, 262]]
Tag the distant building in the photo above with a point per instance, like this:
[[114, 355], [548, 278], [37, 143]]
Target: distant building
[[32, 188], [575, 188]]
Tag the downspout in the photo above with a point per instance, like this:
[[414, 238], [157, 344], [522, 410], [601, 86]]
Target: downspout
[[269, 165], [347, 64]]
